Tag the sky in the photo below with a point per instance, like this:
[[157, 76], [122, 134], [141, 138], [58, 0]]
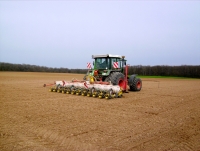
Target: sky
[[67, 33]]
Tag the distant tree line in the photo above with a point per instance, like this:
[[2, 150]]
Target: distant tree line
[[34, 68], [178, 71]]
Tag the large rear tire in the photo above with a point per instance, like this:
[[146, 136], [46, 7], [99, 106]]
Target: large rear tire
[[116, 78], [135, 83]]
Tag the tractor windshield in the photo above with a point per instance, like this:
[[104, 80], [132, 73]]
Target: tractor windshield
[[101, 63]]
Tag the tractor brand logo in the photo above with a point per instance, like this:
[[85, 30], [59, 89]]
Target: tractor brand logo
[[89, 65], [115, 65]]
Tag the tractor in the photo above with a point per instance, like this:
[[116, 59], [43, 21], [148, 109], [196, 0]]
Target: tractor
[[113, 68]]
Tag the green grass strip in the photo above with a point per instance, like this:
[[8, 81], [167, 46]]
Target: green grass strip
[[166, 77]]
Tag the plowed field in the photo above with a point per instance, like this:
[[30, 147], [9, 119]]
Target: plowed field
[[164, 115]]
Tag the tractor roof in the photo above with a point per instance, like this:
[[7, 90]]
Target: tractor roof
[[106, 55]]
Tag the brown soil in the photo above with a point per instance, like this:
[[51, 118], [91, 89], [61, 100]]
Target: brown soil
[[164, 115]]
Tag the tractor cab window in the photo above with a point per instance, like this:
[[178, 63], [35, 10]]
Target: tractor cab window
[[101, 63], [116, 60]]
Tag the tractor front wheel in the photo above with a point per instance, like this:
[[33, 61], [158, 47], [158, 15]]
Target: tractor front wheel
[[135, 83]]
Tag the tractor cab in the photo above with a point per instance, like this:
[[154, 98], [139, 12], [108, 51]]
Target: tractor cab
[[104, 65], [108, 62]]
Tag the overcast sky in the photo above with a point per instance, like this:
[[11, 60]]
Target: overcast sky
[[67, 33]]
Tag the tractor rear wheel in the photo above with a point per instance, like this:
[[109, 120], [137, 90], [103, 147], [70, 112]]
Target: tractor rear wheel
[[116, 78], [135, 83]]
